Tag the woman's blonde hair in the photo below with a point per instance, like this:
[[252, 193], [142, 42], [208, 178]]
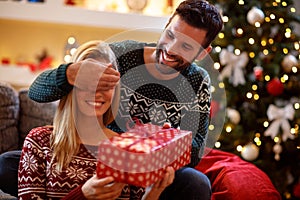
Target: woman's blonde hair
[[65, 140]]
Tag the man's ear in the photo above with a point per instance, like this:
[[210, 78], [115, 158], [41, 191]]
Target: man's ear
[[204, 53]]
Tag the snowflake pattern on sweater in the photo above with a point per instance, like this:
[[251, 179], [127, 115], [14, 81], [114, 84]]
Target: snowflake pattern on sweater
[[38, 178]]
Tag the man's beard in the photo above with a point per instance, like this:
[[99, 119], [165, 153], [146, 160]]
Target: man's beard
[[178, 68]]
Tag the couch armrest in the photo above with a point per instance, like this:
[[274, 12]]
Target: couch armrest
[[9, 111]]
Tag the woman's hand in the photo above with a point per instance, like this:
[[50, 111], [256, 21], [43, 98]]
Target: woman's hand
[[158, 187], [102, 189]]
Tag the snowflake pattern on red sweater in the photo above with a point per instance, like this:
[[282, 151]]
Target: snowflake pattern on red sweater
[[38, 178]]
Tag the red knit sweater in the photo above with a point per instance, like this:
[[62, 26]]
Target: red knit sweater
[[38, 178]]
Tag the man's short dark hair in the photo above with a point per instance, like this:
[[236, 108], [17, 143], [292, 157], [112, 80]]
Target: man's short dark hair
[[200, 14]]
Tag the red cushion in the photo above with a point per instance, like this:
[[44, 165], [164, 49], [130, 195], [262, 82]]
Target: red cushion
[[233, 178]]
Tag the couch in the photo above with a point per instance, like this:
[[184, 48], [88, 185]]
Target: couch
[[18, 115], [231, 177]]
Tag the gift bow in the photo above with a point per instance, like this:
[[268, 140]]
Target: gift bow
[[147, 130], [280, 117], [234, 66], [144, 138]]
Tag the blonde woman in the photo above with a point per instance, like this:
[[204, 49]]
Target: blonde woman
[[59, 161]]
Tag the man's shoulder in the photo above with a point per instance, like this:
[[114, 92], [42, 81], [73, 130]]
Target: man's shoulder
[[126, 45], [195, 70], [197, 77]]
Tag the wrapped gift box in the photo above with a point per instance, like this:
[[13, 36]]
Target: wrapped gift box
[[140, 156]]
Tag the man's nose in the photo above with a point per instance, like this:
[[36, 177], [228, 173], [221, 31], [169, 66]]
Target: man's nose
[[173, 48]]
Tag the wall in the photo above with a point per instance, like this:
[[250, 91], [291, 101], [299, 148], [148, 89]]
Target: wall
[[22, 41]]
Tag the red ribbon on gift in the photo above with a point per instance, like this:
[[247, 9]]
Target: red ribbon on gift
[[147, 135]]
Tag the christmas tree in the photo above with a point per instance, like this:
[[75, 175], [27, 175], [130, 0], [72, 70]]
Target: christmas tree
[[257, 55]]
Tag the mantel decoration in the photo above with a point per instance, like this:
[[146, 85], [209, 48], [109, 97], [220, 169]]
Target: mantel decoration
[[137, 5]]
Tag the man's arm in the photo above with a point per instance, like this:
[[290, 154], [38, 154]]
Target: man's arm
[[200, 138], [50, 85], [88, 74]]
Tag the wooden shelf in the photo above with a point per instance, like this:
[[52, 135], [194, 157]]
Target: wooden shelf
[[53, 11]]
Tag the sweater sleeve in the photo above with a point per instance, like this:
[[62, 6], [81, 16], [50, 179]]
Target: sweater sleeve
[[50, 85], [200, 138], [75, 194], [32, 171]]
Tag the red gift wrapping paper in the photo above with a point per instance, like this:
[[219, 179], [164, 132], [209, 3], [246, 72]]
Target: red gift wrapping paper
[[140, 156]]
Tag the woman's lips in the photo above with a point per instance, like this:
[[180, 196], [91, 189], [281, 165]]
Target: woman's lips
[[95, 103]]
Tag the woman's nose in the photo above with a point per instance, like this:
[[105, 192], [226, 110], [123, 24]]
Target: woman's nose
[[98, 94]]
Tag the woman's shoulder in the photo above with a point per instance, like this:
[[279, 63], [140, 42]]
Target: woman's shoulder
[[40, 132]]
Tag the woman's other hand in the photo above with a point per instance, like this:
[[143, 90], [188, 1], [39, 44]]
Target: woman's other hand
[[102, 188], [157, 188]]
